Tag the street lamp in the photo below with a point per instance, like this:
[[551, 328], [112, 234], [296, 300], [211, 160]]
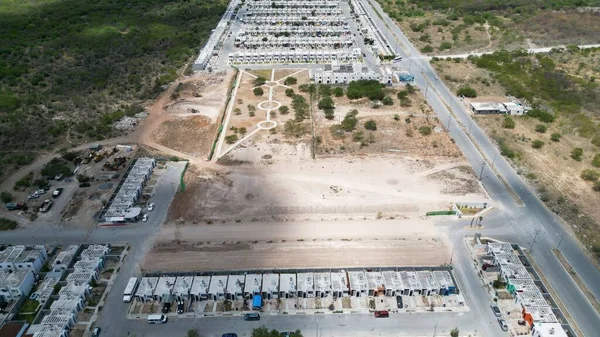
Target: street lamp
[[561, 240]]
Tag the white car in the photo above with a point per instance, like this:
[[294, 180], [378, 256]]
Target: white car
[[145, 218], [151, 206], [41, 191]]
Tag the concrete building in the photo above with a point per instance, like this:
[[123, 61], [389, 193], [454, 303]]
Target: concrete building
[[82, 276], [339, 284], [287, 286], [411, 280], [23, 257], [336, 73], [235, 287], [494, 248], [500, 258], [531, 298], [322, 284], [16, 284], [513, 271], [145, 290], [488, 108], [50, 331], [59, 318], [252, 285], [199, 290], [81, 290], [375, 283], [164, 287], [218, 287], [515, 286], [445, 282], [358, 283], [514, 108], [270, 286], [74, 304], [182, 287], [534, 315], [65, 258], [392, 282], [428, 283], [46, 287], [306, 285], [548, 330]]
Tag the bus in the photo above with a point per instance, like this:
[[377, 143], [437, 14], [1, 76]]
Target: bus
[[130, 289], [157, 319], [397, 59]]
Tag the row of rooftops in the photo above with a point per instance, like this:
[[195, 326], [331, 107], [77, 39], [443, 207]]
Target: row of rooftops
[[208, 49], [11, 256], [293, 4], [259, 11], [297, 40], [340, 281], [121, 207], [320, 20]]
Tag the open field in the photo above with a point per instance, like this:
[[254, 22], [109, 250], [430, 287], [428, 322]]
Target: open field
[[452, 27], [542, 151]]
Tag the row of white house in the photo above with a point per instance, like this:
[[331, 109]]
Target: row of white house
[[22, 257], [324, 21], [262, 11], [254, 30], [63, 311], [294, 4], [295, 56], [306, 42], [535, 309], [301, 284]]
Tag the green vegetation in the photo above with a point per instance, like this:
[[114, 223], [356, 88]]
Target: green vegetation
[[427, 49], [192, 333], [324, 90], [466, 91], [387, 100], [350, 121], [590, 175], [57, 166], [29, 306], [290, 80], [231, 139], [289, 92], [371, 125], [542, 115], [7, 224], [537, 144], [541, 128], [432, 213], [6, 197], [338, 92], [326, 104], [284, 110], [24, 182], [508, 123], [300, 107], [365, 88], [577, 153], [295, 129], [264, 332], [260, 80], [596, 160], [454, 332], [77, 66], [555, 137], [425, 130], [258, 91]]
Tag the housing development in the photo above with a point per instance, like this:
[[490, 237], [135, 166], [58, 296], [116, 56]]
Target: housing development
[[311, 170]]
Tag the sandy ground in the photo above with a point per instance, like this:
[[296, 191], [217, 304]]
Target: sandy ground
[[193, 135]]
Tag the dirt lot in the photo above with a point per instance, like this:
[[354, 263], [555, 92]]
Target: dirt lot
[[247, 255], [192, 135]]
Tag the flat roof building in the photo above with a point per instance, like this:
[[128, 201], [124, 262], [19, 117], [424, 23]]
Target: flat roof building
[[339, 284], [548, 330], [145, 290], [287, 285], [74, 289], [235, 287], [218, 287], [322, 284], [65, 258], [270, 286], [16, 284], [375, 283], [358, 283], [182, 287], [252, 285], [306, 285], [164, 287], [486, 108], [200, 287]]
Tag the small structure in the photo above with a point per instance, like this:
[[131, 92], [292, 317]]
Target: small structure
[[218, 287], [145, 290], [515, 286], [358, 283], [81, 290], [199, 290], [306, 285], [270, 286], [548, 330], [488, 108], [63, 303], [428, 283], [322, 284], [50, 331], [339, 284], [375, 283], [531, 298], [164, 287], [392, 282], [16, 284], [182, 287], [499, 248], [61, 318], [287, 285], [23, 257], [514, 108], [65, 258], [235, 287], [445, 282], [252, 285], [533, 315], [410, 278]]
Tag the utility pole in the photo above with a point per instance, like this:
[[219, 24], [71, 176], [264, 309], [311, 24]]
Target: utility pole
[[449, 120], [559, 242], [537, 231], [481, 172]]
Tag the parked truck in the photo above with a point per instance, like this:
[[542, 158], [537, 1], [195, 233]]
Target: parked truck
[[130, 289], [46, 206], [256, 302]]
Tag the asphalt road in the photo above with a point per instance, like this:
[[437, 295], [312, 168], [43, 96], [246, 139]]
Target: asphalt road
[[519, 223]]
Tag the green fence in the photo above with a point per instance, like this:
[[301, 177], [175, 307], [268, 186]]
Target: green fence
[[440, 213]]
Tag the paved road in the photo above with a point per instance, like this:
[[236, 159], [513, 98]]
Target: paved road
[[521, 223]]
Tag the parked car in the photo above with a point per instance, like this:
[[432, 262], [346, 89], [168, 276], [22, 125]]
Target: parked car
[[399, 302], [35, 195], [382, 313], [229, 335], [41, 191], [496, 310], [150, 206], [253, 316], [58, 177], [166, 308], [96, 332], [84, 185], [180, 307], [145, 217], [503, 324], [57, 192]]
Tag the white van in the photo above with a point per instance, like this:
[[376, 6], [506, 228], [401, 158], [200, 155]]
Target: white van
[[157, 319]]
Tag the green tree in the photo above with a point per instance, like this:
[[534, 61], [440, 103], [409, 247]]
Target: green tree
[[508, 123], [577, 153], [466, 91], [192, 333], [387, 100], [6, 197], [251, 108], [410, 88], [338, 92], [231, 139], [329, 113], [537, 144], [259, 81], [326, 103], [541, 128], [350, 121], [555, 137], [289, 92], [258, 91], [427, 49], [425, 130], [454, 332], [370, 125], [596, 160], [590, 175], [304, 87], [242, 131], [284, 110], [290, 80], [324, 90]]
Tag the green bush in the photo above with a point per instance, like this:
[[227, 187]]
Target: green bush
[[350, 121], [541, 128], [508, 123], [596, 160], [537, 144], [326, 103], [324, 90], [445, 45], [577, 153], [300, 107], [427, 49], [231, 139], [387, 100], [596, 187], [290, 80], [590, 175], [425, 130], [365, 88], [6, 197], [258, 91], [289, 92], [338, 92], [358, 136], [295, 129], [57, 166], [284, 110], [259, 81], [466, 91], [555, 137], [7, 224], [542, 115], [371, 125]]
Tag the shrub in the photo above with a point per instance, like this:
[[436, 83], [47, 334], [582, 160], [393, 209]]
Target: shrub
[[304, 87], [284, 110], [290, 81], [590, 175], [56, 166], [542, 115], [427, 49], [242, 131], [410, 88], [405, 102], [324, 90], [289, 92], [329, 113], [326, 103], [6, 197], [259, 81], [7, 224], [508, 123], [537, 144], [295, 129], [577, 153], [541, 128], [338, 92], [596, 160], [371, 125], [300, 107], [555, 137], [402, 94], [425, 130], [251, 107], [596, 188], [350, 121], [387, 100], [466, 91], [445, 45], [357, 136], [365, 88], [231, 139], [258, 91]]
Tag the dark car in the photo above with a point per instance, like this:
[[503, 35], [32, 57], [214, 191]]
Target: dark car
[[254, 316], [382, 313], [229, 335], [180, 307], [96, 332], [399, 302], [166, 308], [496, 310], [84, 185]]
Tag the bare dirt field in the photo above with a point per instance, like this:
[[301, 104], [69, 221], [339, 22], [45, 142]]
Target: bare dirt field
[[458, 72], [193, 135], [248, 255]]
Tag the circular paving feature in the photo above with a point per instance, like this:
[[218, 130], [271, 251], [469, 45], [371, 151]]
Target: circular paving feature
[[266, 125], [268, 105]]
